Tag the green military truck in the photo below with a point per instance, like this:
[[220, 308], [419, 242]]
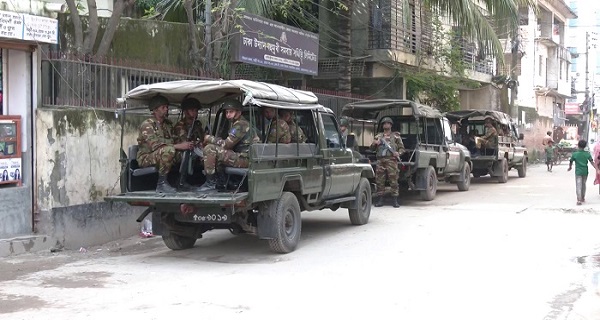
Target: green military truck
[[431, 155], [282, 180], [507, 154]]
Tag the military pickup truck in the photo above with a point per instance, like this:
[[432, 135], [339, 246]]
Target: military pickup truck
[[496, 161], [431, 152], [282, 180]]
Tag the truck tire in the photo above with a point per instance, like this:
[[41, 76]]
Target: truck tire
[[360, 215], [177, 242], [522, 169], [288, 224], [503, 178], [466, 184], [431, 184]]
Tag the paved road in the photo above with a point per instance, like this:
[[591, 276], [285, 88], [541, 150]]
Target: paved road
[[521, 250]]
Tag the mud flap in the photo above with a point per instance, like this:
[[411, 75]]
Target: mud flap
[[157, 225], [496, 170], [266, 226], [421, 180]]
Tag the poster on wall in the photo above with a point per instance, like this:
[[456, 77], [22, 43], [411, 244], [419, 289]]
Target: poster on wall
[[10, 170]]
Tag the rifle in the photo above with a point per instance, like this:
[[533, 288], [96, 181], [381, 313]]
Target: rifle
[[187, 156], [388, 147]]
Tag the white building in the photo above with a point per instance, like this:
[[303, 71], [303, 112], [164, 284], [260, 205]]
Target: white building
[[582, 33], [543, 72]]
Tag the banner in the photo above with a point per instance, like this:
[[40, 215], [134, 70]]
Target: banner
[[28, 27]]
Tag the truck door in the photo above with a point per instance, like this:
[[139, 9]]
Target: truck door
[[337, 160], [452, 150]]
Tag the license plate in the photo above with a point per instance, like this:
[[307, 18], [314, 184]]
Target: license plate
[[210, 217], [204, 217]]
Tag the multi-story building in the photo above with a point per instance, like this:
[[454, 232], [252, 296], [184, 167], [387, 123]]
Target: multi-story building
[[583, 36], [543, 70]]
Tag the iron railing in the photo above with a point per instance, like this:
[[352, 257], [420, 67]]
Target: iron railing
[[70, 80]]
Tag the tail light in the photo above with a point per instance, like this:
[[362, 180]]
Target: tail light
[[186, 209]]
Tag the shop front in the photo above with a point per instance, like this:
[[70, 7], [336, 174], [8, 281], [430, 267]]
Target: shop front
[[22, 39]]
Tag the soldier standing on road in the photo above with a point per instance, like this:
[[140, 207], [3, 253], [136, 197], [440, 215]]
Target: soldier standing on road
[[296, 133], [231, 152], [156, 146], [277, 130], [387, 161]]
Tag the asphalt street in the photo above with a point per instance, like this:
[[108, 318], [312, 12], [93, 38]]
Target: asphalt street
[[520, 250]]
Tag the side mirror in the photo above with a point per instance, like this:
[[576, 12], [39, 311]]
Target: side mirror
[[521, 136], [350, 141]]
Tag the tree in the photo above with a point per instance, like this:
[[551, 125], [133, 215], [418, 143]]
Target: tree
[[480, 20], [85, 40]]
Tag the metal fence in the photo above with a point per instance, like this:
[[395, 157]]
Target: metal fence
[[71, 80]]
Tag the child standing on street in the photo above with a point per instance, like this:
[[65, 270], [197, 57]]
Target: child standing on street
[[549, 154], [581, 159]]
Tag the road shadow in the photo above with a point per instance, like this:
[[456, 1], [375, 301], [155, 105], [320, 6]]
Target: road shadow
[[220, 246]]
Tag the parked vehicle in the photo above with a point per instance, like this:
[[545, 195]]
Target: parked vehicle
[[282, 180], [431, 152], [506, 155]]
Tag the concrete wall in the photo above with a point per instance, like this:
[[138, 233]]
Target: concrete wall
[[487, 97], [77, 165]]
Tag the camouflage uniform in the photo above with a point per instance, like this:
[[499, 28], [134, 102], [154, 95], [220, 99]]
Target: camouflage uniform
[[490, 137], [386, 162], [181, 129], [279, 131], [296, 133], [156, 145], [233, 151]]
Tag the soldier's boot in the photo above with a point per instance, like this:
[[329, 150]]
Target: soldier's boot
[[210, 184], [379, 202], [396, 202], [163, 185]]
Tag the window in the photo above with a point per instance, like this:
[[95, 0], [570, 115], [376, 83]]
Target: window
[[561, 69], [332, 134], [540, 64]]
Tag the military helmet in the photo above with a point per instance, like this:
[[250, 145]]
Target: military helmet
[[190, 103], [387, 119], [232, 104], [343, 122], [157, 101]]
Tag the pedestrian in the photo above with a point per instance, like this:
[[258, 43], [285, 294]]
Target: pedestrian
[[581, 157], [344, 128], [229, 152], [547, 138], [549, 149], [387, 160], [156, 145]]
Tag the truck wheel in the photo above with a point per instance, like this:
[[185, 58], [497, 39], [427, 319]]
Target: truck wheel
[[503, 178], [431, 184], [360, 215], [464, 185], [522, 170], [177, 242], [287, 223]]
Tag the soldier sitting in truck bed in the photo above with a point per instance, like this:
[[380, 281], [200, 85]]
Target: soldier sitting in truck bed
[[490, 138], [231, 152]]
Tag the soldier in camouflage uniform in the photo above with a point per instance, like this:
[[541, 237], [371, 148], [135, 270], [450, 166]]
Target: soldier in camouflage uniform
[[387, 161], [231, 152], [156, 146], [277, 130], [189, 108], [296, 133]]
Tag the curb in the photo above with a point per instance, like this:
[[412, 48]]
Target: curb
[[25, 244]]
